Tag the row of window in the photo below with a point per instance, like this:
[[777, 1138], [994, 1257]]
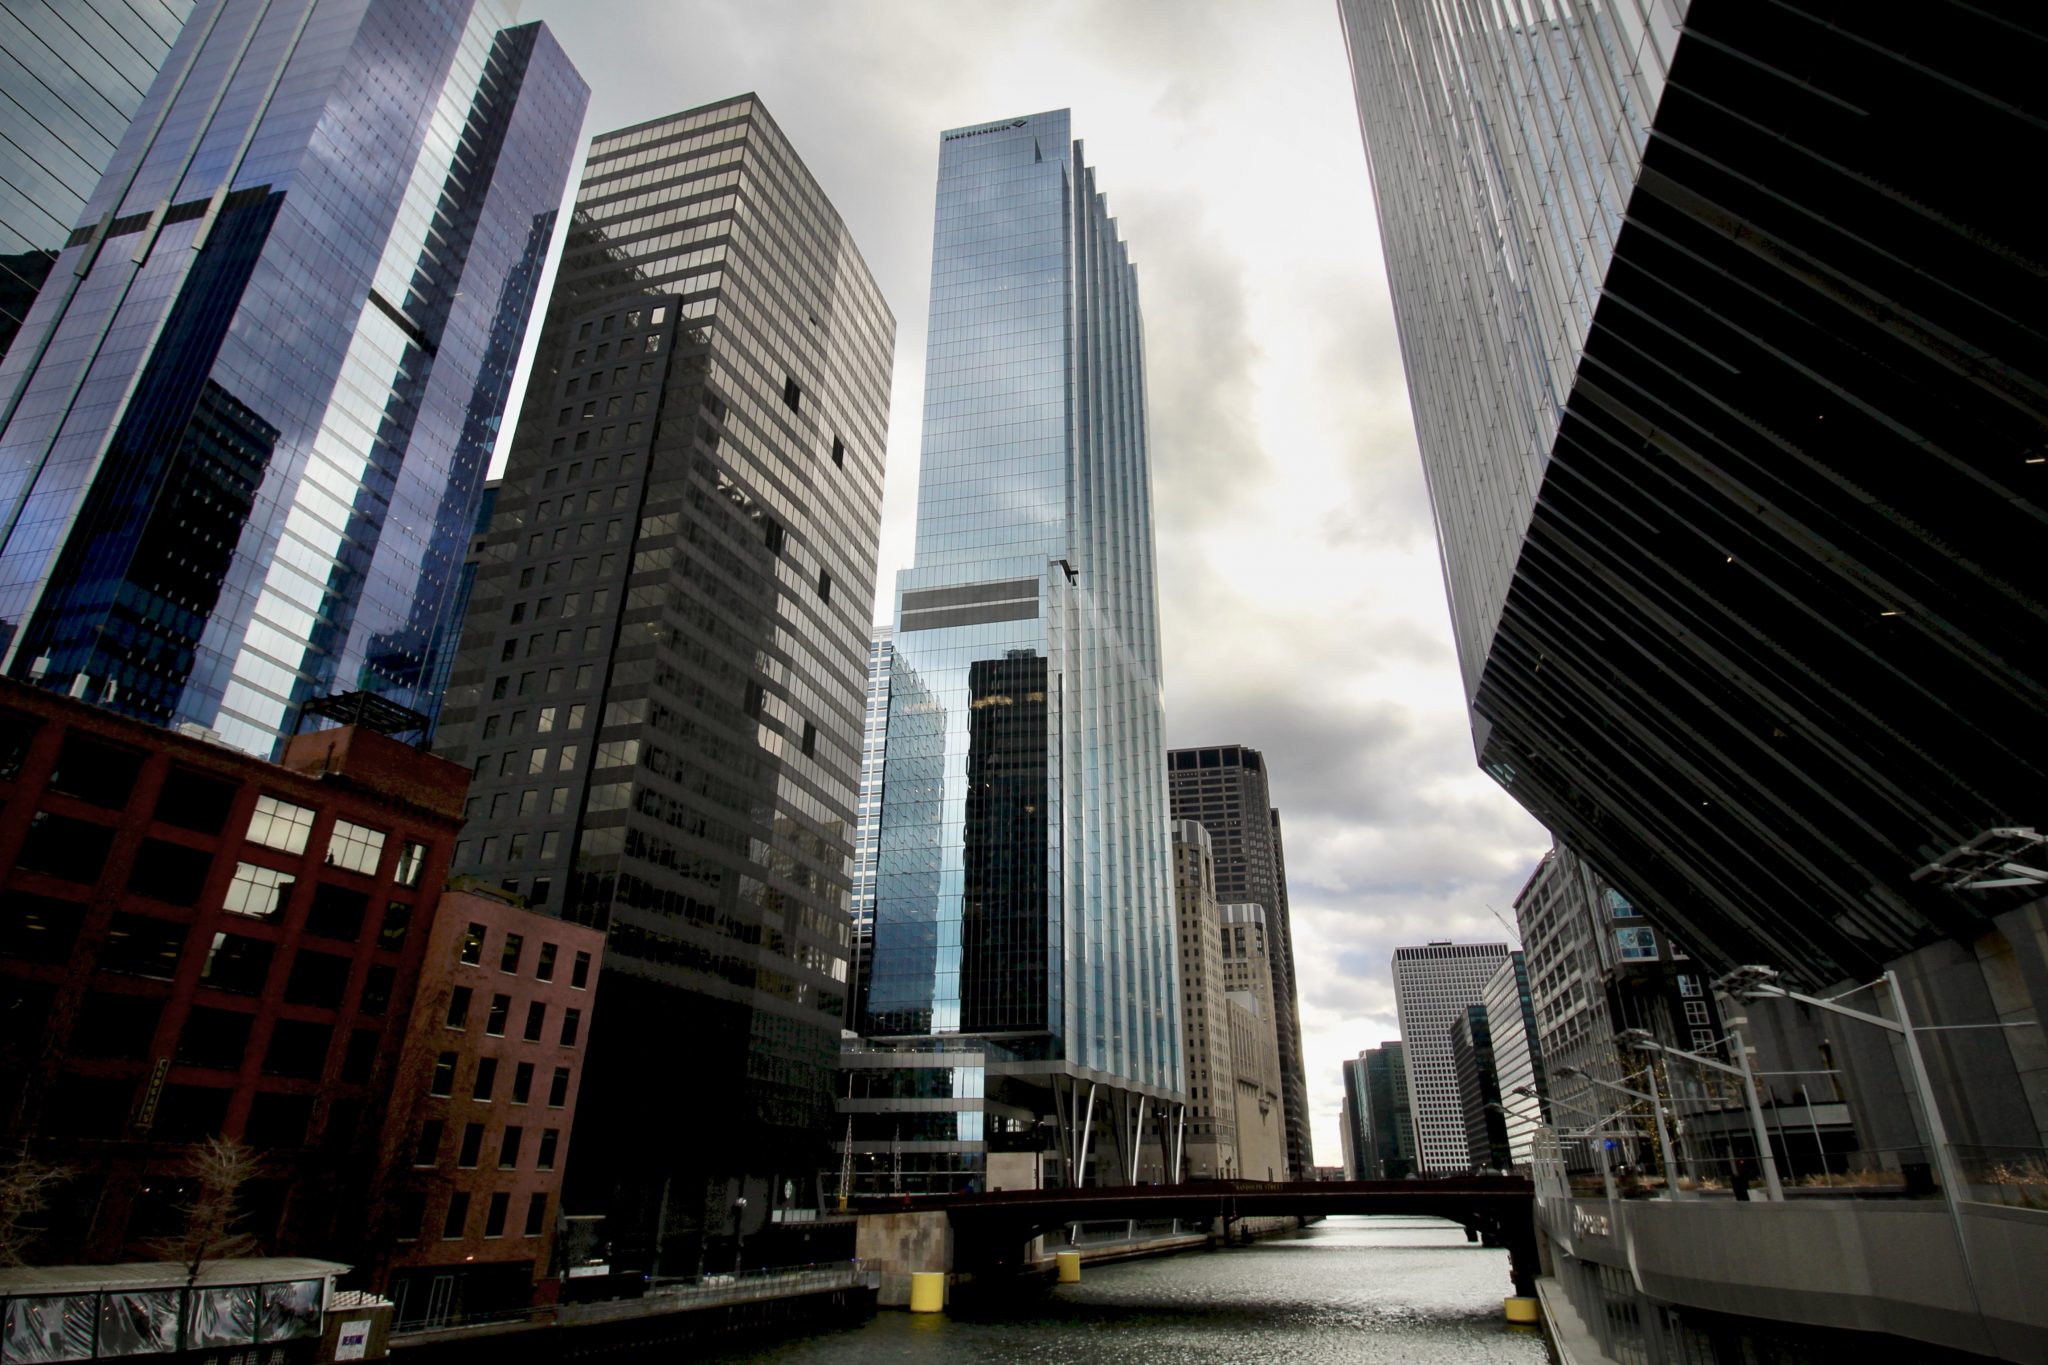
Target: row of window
[[500, 1012], [513, 949], [411, 1215], [284, 826], [469, 1153], [484, 1084]]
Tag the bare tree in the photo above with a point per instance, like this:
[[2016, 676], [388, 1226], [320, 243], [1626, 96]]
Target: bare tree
[[218, 1169], [25, 1189]]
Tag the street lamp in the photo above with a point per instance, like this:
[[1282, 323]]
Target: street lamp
[[1671, 1190], [1641, 1039]]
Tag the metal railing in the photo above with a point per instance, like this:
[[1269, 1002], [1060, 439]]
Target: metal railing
[[668, 1295]]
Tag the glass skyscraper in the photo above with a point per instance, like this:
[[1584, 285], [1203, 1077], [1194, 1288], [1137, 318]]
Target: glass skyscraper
[[1024, 887], [72, 74], [660, 683], [868, 819], [245, 439], [1734, 420]]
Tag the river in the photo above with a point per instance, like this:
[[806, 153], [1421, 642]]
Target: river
[[1408, 1290]]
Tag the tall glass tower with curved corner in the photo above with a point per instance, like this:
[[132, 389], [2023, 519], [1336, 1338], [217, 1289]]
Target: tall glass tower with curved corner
[[245, 425], [1024, 886]]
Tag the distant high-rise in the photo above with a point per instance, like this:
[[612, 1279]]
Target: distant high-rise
[[1517, 1058], [659, 688], [1358, 1154], [1486, 1133], [1433, 987], [1205, 1007], [244, 442], [867, 830], [1023, 885], [72, 75], [1389, 1118], [1226, 789]]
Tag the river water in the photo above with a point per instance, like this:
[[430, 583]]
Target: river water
[[1408, 1290]]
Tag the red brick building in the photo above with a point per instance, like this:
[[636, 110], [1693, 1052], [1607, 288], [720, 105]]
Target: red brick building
[[193, 942], [477, 1135]]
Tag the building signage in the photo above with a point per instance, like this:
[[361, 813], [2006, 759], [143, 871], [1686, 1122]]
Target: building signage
[[354, 1341], [977, 132], [577, 1272], [1585, 1224], [145, 1113]]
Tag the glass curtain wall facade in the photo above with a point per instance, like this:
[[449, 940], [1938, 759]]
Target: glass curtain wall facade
[[244, 442], [1517, 1059], [867, 831], [1023, 883], [660, 686], [1731, 396], [1390, 1121], [72, 74]]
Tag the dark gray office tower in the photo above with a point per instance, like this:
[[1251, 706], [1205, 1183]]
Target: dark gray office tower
[[1486, 1134], [1225, 790], [245, 426], [72, 75], [1379, 1134], [660, 686]]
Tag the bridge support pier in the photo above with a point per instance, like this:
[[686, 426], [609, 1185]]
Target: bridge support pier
[[903, 1244]]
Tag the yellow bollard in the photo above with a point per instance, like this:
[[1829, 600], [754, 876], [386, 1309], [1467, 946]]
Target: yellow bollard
[[1070, 1266], [928, 1291], [1522, 1310]]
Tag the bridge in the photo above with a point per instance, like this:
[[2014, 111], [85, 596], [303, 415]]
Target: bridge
[[988, 1234]]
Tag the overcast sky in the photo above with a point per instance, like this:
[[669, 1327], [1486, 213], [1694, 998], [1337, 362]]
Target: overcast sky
[[1301, 598]]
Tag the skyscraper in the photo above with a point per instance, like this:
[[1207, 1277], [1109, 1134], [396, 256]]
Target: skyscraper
[[1517, 1059], [1389, 1119], [1205, 1007], [867, 830], [1486, 1133], [1023, 884], [1226, 789], [242, 456], [1740, 562], [1433, 986], [659, 688], [72, 74]]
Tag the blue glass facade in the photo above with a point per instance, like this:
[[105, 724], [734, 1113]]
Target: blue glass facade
[[244, 444], [1023, 881], [72, 74]]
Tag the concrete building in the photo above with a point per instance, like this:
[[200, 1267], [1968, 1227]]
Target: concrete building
[[659, 688], [1517, 1056], [1024, 885], [1433, 986], [483, 1102], [1210, 1145], [243, 438], [1486, 1132], [1227, 790], [72, 75], [197, 943], [1247, 961]]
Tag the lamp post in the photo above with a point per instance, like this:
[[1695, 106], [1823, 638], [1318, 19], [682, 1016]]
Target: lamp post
[[1641, 1039], [1671, 1190]]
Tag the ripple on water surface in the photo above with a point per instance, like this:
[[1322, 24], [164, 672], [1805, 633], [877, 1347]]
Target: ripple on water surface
[[1346, 1290]]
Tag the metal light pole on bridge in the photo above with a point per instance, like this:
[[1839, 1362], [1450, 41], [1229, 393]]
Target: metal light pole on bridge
[[1671, 1189], [1642, 1040]]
